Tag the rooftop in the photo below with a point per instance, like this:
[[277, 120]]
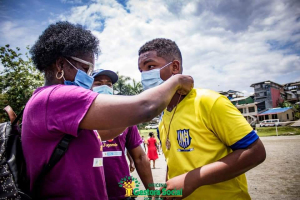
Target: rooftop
[[275, 111], [238, 99], [252, 85], [292, 84]]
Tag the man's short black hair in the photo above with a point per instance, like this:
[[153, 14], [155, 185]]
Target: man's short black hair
[[62, 39], [164, 48]]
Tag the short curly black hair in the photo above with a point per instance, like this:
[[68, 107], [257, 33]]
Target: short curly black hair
[[62, 39], [164, 48]]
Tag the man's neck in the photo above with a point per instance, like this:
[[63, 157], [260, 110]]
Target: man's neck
[[174, 101]]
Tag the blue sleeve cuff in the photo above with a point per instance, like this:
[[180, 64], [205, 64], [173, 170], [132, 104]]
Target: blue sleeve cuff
[[245, 141]]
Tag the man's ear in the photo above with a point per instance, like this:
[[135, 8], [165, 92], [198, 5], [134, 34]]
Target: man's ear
[[176, 67]]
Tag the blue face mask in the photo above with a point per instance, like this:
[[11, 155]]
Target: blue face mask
[[103, 89], [152, 78], [81, 79]]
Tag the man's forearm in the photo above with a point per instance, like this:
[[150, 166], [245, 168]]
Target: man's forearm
[[233, 165], [129, 157], [143, 169]]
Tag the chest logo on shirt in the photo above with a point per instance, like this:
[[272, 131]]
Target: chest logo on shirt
[[108, 145], [184, 139]]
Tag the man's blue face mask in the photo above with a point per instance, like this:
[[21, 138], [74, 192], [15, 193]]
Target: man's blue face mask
[[152, 78], [81, 79], [103, 89]]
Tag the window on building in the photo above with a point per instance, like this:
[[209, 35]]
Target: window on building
[[241, 110], [265, 93], [274, 116], [261, 118], [266, 116], [257, 86], [287, 116], [251, 109], [262, 94], [293, 115]]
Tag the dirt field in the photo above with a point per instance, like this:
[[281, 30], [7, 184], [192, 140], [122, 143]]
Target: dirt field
[[278, 178]]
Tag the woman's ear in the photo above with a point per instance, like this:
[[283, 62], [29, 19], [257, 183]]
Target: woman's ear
[[59, 64]]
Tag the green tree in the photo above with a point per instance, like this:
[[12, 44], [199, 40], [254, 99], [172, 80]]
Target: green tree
[[136, 87], [123, 87], [284, 104], [18, 79], [296, 108]]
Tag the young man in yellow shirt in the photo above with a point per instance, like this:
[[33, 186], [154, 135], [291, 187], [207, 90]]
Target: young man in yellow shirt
[[207, 143]]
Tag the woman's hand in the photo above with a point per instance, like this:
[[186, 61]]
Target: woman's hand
[[186, 84]]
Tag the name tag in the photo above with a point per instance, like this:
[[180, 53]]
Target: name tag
[[98, 162], [112, 153]]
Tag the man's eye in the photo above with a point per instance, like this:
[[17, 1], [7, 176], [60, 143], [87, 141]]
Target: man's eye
[[151, 66]]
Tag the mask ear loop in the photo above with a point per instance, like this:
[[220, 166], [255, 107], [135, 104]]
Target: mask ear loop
[[166, 65], [71, 64]]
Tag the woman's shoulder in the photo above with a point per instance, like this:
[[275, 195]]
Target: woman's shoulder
[[63, 92]]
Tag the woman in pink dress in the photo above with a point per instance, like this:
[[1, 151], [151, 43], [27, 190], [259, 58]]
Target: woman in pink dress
[[152, 149]]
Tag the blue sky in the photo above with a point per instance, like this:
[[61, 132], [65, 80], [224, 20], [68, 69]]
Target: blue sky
[[225, 44]]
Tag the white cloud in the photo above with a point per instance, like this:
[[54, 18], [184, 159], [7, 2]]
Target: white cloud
[[20, 33], [225, 44], [217, 54]]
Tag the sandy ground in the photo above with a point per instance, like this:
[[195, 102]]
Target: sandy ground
[[277, 178]]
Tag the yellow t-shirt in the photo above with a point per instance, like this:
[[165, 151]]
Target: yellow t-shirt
[[203, 128]]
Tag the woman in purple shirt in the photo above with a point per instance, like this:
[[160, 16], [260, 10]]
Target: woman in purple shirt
[[65, 53]]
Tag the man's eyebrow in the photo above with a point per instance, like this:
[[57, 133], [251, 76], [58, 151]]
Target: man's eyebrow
[[147, 61]]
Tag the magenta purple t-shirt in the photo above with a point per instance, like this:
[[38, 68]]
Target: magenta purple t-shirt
[[115, 164], [52, 112]]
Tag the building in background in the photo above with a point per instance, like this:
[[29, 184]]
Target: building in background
[[232, 94], [269, 92], [247, 107], [263, 104], [243, 100], [283, 114], [249, 111], [292, 92]]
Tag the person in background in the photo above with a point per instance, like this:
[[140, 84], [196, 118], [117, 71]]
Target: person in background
[[114, 150], [158, 147], [65, 53], [152, 148], [207, 142], [144, 143]]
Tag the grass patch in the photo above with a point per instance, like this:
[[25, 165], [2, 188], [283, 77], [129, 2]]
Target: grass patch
[[145, 133], [282, 130]]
